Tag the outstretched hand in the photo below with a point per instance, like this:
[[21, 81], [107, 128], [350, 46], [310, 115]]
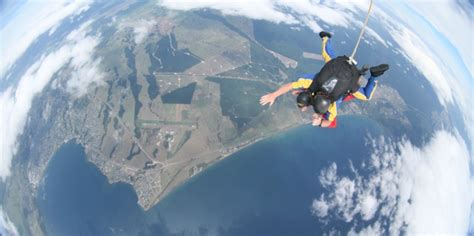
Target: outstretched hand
[[317, 119], [267, 99]]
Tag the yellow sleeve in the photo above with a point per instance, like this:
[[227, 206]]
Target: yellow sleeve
[[332, 112], [301, 83]]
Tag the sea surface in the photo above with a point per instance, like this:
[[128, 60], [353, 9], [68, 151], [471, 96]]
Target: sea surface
[[265, 189]]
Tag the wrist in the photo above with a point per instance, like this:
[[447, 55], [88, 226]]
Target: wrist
[[315, 122]]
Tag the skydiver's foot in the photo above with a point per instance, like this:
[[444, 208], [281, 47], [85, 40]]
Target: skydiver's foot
[[378, 70], [323, 34], [364, 69]]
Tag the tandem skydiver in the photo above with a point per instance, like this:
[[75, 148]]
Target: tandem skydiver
[[337, 82]]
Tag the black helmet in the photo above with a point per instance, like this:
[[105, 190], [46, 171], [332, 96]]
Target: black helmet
[[321, 103], [303, 99]]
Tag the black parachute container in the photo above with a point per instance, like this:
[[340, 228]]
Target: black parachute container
[[337, 78]]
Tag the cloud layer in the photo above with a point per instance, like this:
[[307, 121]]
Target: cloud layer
[[141, 29], [77, 52], [7, 228], [262, 10], [85, 68], [332, 13], [461, 19], [438, 55], [20, 31], [414, 190]]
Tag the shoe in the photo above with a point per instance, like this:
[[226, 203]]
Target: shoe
[[364, 69], [378, 70], [323, 34]]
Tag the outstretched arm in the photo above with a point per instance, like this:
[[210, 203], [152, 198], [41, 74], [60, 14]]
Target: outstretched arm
[[271, 97]]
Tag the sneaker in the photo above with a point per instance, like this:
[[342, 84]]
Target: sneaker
[[378, 70], [323, 34]]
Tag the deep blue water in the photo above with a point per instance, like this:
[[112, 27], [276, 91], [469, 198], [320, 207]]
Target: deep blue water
[[266, 189]]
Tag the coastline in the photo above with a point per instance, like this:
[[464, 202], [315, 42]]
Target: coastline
[[217, 161], [238, 180], [265, 137]]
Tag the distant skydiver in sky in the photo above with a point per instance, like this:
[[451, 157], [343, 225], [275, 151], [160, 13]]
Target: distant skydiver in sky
[[337, 82]]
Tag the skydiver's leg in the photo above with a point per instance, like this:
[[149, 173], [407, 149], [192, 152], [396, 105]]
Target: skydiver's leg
[[327, 50], [309, 75], [370, 87]]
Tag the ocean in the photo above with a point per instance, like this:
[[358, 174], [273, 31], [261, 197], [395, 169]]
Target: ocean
[[264, 189]]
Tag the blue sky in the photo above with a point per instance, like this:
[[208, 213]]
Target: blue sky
[[9, 9]]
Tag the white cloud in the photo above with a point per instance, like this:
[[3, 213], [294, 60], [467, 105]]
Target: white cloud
[[422, 58], [459, 28], [16, 100], [263, 9], [86, 72], [369, 206], [374, 35], [330, 14], [21, 31], [437, 60], [7, 228], [371, 230], [306, 12], [417, 190], [142, 28]]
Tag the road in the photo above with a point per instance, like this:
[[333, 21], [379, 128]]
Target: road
[[135, 140]]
